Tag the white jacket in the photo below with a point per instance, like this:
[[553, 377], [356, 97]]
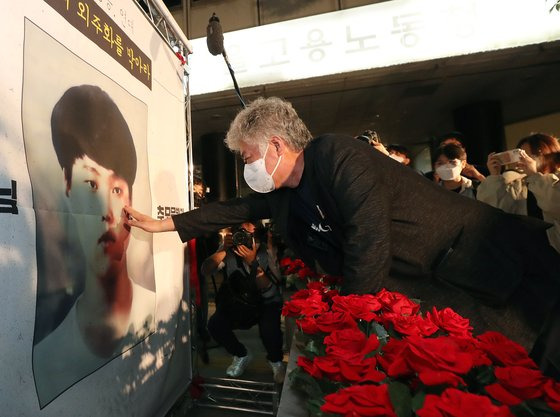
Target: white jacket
[[467, 188], [509, 193]]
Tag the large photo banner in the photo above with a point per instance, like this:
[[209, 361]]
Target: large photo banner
[[94, 315]]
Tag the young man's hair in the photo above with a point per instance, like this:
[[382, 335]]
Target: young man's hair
[[86, 121], [450, 151], [452, 137], [399, 149], [264, 118]]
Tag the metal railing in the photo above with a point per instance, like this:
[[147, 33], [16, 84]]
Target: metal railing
[[253, 397]]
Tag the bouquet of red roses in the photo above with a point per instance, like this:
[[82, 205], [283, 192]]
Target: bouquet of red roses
[[378, 355], [298, 275]]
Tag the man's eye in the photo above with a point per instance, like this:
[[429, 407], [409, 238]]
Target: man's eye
[[92, 184], [117, 190]]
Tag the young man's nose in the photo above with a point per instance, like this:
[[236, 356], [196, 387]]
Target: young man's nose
[[108, 214]]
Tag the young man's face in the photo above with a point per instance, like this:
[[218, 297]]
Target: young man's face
[[97, 196]]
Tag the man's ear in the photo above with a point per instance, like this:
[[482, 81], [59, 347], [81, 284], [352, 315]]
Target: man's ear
[[279, 145]]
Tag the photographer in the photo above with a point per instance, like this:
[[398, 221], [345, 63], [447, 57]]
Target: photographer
[[248, 296], [532, 187], [372, 138]]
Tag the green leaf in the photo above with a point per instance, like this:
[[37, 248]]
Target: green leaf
[[314, 407], [536, 408], [303, 382], [485, 375], [328, 386], [418, 401], [315, 347], [401, 399], [300, 284]]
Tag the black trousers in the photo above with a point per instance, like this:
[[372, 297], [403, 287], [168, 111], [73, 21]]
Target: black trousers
[[221, 326]]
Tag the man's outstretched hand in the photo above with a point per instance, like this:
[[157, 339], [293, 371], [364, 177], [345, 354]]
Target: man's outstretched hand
[[136, 219]]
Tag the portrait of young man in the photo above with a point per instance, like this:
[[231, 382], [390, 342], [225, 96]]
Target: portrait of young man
[[95, 279]]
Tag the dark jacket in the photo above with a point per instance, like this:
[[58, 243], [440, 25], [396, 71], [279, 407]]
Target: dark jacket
[[390, 221]]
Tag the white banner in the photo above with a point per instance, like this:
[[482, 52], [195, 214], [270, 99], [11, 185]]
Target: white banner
[[94, 318], [374, 36]]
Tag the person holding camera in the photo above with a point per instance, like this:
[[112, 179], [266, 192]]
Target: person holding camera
[[248, 296], [531, 187], [372, 138]]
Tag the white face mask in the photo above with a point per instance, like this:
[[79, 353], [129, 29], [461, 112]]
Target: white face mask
[[396, 157], [257, 177], [449, 172]]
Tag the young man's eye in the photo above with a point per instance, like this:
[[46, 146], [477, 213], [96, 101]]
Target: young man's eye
[[92, 184], [117, 190]]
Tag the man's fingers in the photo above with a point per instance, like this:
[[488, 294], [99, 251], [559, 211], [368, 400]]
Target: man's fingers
[[131, 212]]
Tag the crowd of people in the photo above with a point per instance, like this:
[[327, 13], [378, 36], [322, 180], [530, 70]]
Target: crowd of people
[[528, 184], [464, 237]]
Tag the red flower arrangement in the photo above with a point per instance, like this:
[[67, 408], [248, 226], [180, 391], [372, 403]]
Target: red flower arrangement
[[298, 275], [378, 355]]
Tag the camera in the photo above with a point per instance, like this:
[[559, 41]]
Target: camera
[[369, 136], [508, 157], [242, 237]]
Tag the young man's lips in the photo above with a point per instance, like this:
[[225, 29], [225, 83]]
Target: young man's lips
[[107, 237]]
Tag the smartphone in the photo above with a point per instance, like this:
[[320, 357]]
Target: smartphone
[[508, 157]]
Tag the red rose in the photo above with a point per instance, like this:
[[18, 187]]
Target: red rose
[[307, 272], [397, 303], [332, 280], [504, 351], [308, 366], [328, 296], [285, 262], [333, 320], [435, 360], [393, 359], [456, 403], [303, 294], [470, 345], [349, 369], [409, 325], [360, 400], [358, 306], [552, 394], [450, 321], [308, 325], [349, 343], [316, 285], [432, 377], [291, 266], [516, 384], [305, 303]]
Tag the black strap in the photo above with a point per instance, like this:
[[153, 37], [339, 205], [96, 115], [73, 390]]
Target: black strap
[[533, 209]]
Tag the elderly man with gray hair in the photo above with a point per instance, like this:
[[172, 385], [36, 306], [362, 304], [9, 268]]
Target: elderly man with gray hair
[[348, 211]]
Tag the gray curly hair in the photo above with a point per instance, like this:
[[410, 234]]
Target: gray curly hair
[[266, 117]]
